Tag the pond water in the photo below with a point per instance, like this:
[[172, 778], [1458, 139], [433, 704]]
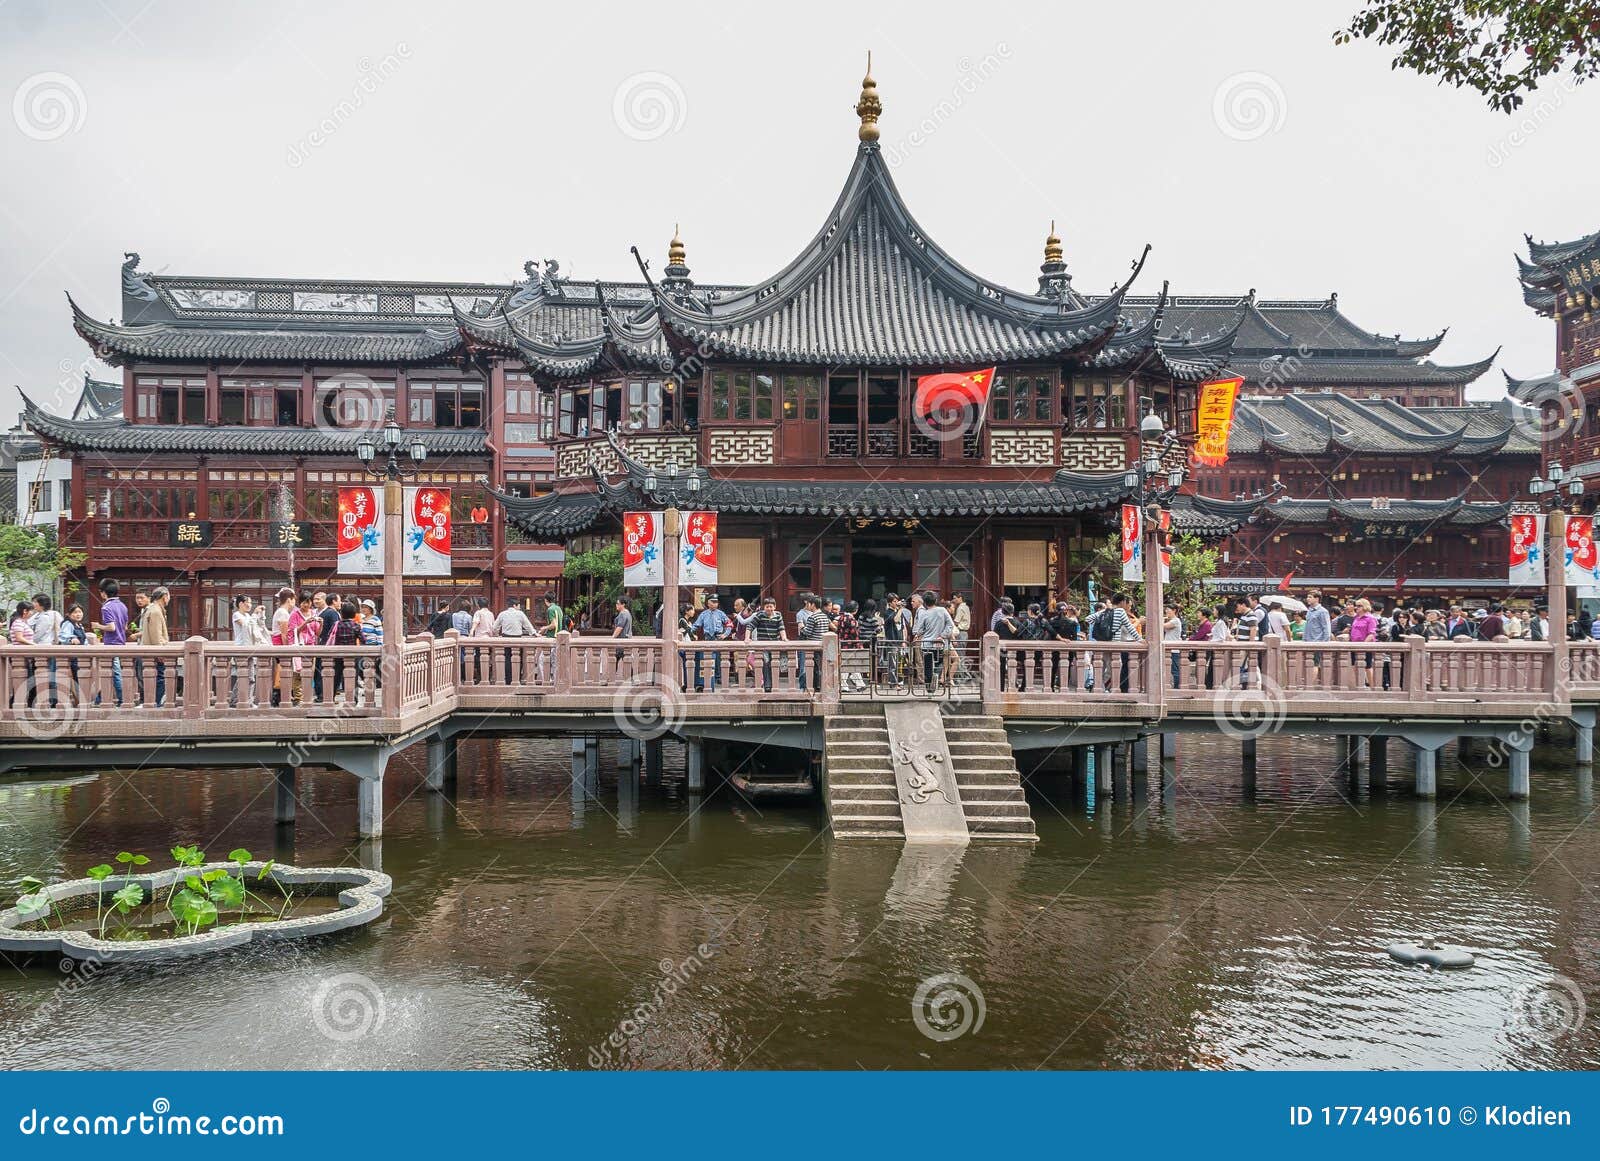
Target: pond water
[[1191, 925]]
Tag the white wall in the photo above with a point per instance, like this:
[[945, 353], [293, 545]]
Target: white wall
[[58, 473]]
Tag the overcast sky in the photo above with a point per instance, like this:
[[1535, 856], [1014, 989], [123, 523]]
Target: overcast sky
[[454, 141]]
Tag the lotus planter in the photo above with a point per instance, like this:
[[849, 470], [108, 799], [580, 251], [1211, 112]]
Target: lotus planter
[[360, 897]]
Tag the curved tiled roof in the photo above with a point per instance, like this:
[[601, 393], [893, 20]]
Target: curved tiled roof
[[1541, 277], [118, 435], [1313, 424], [873, 288], [285, 342], [1455, 511]]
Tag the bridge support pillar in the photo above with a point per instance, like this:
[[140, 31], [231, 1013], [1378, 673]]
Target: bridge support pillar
[[441, 763], [1169, 745], [369, 807], [1139, 763], [1378, 762], [591, 758], [1583, 741], [1104, 771], [652, 761], [1427, 772], [283, 796], [1341, 751], [1247, 754], [1518, 765], [695, 763]]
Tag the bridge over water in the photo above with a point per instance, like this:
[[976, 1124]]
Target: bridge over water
[[885, 771]]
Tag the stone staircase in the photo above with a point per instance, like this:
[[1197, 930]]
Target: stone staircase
[[862, 795], [858, 777], [991, 785]]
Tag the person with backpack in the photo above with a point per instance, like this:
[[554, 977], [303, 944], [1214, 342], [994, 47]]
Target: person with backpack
[[1063, 624], [1114, 624], [1004, 624]]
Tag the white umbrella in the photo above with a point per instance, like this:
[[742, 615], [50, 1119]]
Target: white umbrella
[[1287, 604]]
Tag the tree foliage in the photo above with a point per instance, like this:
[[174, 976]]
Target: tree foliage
[[31, 559], [600, 574], [1500, 48], [1193, 564]]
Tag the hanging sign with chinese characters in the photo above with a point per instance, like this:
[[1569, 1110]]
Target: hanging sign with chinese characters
[[641, 549], [427, 532], [360, 533], [1527, 549], [1214, 420], [189, 534], [1583, 567], [699, 552], [1132, 543], [289, 534]]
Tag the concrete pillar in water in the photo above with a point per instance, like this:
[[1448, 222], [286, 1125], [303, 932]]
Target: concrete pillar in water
[[695, 764], [1169, 745], [1104, 771], [1427, 772], [441, 762], [283, 796], [591, 760], [1247, 754], [1378, 761], [369, 807], [652, 761], [1518, 765], [1583, 742], [1341, 751]]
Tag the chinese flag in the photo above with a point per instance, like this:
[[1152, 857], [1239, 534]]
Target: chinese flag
[[952, 391]]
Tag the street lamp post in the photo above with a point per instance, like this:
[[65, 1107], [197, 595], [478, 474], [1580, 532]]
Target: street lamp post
[[1154, 483], [392, 460], [1552, 492]]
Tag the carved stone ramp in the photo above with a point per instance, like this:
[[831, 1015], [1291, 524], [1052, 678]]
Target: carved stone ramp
[[925, 782]]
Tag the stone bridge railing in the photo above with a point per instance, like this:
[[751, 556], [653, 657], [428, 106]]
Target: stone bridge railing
[[199, 689]]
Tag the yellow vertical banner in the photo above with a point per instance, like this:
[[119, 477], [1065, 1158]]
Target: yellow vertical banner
[[1214, 420]]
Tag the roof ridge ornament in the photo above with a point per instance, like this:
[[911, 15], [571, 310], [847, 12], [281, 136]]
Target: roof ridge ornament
[[135, 282], [675, 276], [868, 107], [1054, 281]]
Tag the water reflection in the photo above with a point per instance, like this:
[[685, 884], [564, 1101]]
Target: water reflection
[[1175, 923]]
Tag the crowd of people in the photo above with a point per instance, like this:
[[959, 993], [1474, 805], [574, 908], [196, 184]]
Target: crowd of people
[[916, 640]]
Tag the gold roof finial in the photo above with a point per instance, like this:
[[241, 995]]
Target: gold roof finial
[[868, 107], [676, 255], [1052, 245]]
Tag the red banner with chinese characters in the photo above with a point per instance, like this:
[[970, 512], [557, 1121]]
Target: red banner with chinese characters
[[641, 550], [1583, 561], [699, 551], [1526, 564], [427, 532], [1132, 543], [1214, 420], [360, 532]]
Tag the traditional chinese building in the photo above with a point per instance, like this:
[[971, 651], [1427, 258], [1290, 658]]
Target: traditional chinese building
[[1561, 281], [1378, 499], [786, 405]]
